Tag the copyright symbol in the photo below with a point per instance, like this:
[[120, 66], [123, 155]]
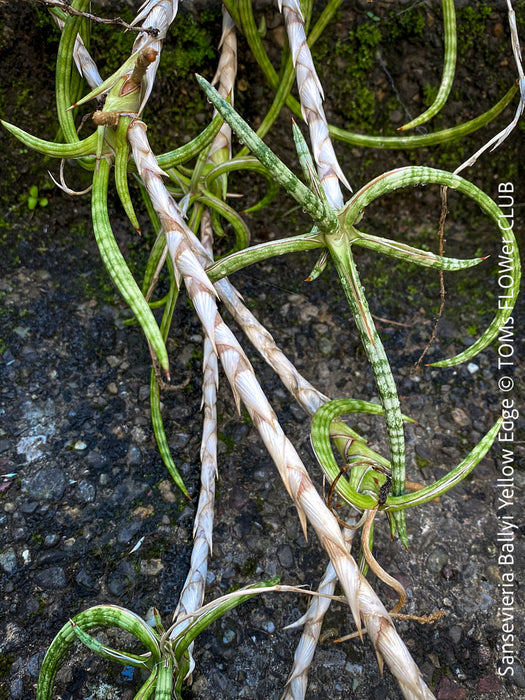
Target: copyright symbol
[[506, 383]]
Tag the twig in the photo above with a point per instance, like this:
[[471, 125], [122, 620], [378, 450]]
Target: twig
[[442, 292], [65, 6]]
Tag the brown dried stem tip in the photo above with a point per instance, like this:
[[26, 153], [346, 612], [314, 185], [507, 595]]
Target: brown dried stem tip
[[144, 59]]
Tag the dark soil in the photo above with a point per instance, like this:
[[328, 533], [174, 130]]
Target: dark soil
[[82, 480]]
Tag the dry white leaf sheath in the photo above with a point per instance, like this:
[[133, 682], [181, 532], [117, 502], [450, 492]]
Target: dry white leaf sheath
[[311, 96]]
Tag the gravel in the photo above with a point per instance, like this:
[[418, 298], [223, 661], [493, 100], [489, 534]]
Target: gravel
[[88, 514]]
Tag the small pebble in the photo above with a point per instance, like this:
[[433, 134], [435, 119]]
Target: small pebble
[[51, 540], [123, 578], [166, 492], [87, 581], [228, 637], [127, 533], [498, 31], [46, 485], [460, 417], [325, 346], [455, 633], [134, 456], [153, 567], [518, 677], [489, 683], [8, 560], [437, 559], [17, 689], [285, 556], [138, 434], [29, 507], [51, 579], [33, 665], [448, 690], [396, 116], [86, 491], [179, 440]]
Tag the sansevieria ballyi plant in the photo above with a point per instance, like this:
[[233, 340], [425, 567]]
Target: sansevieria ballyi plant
[[186, 193]]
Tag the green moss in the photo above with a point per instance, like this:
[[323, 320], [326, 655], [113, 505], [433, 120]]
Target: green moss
[[6, 661], [366, 37], [187, 48], [422, 462], [405, 24], [109, 46], [519, 9], [471, 26], [429, 94], [98, 286], [249, 568], [227, 440], [196, 355], [36, 539], [190, 45], [354, 57]]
